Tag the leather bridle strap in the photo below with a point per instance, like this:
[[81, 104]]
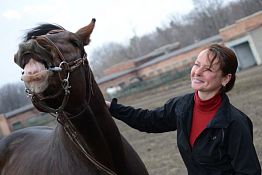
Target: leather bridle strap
[[76, 138], [38, 103]]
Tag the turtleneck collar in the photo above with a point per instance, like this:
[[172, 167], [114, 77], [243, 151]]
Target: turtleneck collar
[[207, 105]]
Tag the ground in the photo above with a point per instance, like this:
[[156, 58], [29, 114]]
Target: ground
[[159, 151]]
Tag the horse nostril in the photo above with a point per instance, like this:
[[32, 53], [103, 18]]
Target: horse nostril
[[22, 72]]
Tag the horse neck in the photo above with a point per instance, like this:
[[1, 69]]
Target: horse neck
[[108, 127], [88, 136], [101, 112]]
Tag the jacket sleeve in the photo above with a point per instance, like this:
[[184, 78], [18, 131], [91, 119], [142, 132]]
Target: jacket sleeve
[[158, 120], [241, 149]]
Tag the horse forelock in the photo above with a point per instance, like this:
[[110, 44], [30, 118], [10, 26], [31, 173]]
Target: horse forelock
[[42, 29], [33, 46]]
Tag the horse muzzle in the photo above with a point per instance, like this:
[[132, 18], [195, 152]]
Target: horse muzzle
[[33, 50]]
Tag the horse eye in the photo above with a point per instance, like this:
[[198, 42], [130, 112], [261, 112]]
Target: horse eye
[[75, 43]]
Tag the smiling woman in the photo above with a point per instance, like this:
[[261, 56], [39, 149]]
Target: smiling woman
[[207, 74], [213, 136]]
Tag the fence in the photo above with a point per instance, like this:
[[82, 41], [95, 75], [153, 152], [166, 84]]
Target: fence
[[162, 79]]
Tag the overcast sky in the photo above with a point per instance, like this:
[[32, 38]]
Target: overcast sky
[[117, 20]]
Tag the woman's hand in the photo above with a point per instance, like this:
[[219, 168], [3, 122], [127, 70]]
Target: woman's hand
[[108, 104]]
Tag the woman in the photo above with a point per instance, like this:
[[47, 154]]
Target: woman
[[213, 136]]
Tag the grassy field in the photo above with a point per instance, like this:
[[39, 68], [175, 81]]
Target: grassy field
[[159, 151]]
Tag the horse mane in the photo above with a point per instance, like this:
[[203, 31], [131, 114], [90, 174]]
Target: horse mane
[[41, 29]]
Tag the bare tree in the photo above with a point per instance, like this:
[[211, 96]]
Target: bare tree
[[12, 96], [148, 43], [250, 6], [106, 56], [164, 36], [181, 30]]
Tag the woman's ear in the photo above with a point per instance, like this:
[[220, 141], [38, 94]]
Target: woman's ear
[[226, 79]]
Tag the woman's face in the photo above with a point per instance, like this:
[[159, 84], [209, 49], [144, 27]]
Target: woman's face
[[205, 78]]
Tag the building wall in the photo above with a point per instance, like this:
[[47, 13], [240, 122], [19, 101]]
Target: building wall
[[4, 127], [120, 67], [174, 63], [257, 42], [245, 31], [242, 57], [119, 81], [241, 27], [21, 118]]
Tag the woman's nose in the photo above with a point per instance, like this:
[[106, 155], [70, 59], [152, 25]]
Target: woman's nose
[[199, 70]]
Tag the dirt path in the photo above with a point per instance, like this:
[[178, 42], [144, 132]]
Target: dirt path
[[159, 151]]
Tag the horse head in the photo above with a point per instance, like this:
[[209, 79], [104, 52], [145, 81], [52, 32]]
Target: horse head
[[55, 66]]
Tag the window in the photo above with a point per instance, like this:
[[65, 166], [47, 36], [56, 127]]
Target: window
[[122, 84], [159, 71], [17, 125]]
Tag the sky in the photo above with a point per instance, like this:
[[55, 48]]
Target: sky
[[116, 21]]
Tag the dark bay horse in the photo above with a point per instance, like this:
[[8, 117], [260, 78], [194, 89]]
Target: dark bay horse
[[59, 81]]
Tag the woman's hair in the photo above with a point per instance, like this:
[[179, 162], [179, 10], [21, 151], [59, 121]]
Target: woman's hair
[[227, 60]]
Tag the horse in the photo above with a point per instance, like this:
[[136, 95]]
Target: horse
[[59, 81]]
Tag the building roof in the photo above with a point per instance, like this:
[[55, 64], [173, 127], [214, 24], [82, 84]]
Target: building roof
[[212, 39], [19, 110], [115, 75], [159, 51]]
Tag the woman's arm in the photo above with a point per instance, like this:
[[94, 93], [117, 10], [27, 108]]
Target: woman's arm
[[158, 120], [241, 149]]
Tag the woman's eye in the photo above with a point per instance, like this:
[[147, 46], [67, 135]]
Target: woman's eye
[[208, 69]]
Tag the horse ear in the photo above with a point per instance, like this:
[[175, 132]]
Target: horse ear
[[85, 32]]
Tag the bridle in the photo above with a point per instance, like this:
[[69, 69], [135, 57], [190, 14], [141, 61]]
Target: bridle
[[59, 113], [64, 66]]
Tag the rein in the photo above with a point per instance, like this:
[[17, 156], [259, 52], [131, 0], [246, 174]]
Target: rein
[[59, 112], [76, 138]]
